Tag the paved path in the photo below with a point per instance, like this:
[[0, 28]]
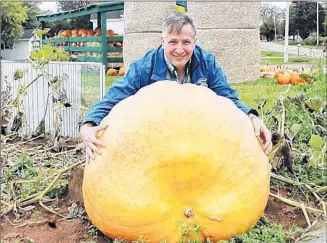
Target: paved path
[[270, 46], [317, 235]]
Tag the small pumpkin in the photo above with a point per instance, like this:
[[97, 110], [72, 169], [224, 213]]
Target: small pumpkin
[[110, 33], [111, 72], [284, 78], [75, 31], [82, 31], [121, 71], [265, 68], [98, 31], [308, 80], [165, 164], [296, 79]]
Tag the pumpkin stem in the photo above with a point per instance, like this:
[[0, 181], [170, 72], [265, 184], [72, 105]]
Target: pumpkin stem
[[188, 212]]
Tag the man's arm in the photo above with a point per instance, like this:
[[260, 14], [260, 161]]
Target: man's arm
[[218, 83], [121, 89]]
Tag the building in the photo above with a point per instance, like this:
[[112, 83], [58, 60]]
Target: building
[[20, 49]]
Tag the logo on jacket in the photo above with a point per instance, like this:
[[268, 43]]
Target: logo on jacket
[[202, 82]]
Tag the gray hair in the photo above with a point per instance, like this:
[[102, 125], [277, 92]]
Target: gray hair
[[175, 22]]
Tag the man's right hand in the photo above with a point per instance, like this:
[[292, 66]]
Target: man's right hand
[[88, 135]]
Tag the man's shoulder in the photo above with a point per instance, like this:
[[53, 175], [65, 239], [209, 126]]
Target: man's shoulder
[[145, 62]]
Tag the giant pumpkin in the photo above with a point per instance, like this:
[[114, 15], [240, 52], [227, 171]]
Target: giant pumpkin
[[176, 156]]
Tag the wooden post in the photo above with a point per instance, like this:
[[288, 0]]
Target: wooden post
[[99, 19], [104, 42], [42, 37]]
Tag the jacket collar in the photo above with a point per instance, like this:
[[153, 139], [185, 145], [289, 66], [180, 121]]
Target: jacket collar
[[160, 67]]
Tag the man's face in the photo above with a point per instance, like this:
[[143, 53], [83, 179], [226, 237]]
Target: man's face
[[179, 46]]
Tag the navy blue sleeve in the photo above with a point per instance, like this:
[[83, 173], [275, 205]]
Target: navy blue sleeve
[[121, 89], [218, 83]]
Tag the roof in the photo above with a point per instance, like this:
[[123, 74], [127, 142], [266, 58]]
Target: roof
[[90, 9], [28, 33]]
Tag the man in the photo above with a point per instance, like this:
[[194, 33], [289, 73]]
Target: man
[[177, 59]]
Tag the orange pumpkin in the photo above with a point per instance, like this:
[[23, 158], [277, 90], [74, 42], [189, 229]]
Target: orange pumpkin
[[110, 33], [265, 68], [296, 79], [283, 78], [308, 80], [111, 72], [90, 33], [98, 31], [65, 34], [75, 31], [166, 167], [121, 71]]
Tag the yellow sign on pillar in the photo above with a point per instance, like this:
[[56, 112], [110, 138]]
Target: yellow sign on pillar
[[181, 6]]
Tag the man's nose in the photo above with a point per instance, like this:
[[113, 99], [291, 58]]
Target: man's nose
[[179, 48]]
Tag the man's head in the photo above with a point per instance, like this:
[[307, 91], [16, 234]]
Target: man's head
[[179, 37]]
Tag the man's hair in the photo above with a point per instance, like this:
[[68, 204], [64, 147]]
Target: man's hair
[[175, 22]]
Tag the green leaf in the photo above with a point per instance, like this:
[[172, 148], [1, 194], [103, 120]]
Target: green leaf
[[315, 104], [295, 129], [316, 142], [34, 55]]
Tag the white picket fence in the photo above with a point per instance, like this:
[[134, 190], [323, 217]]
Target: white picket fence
[[34, 102]]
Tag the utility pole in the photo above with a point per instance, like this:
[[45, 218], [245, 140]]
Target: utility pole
[[275, 28], [317, 23], [286, 32]]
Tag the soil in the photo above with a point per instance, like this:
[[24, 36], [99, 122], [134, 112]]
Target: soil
[[43, 226], [284, 214]]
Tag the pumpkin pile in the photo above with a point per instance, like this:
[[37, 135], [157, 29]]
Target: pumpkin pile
[[86, 33], [286, 76], [113, 72], [176, 156]]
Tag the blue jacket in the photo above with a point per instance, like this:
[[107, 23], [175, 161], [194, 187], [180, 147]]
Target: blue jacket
[[152, 68]]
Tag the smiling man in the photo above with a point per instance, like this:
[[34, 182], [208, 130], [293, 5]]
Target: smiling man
[[177, 59]]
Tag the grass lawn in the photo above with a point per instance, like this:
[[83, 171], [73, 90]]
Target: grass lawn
[[110, 80], [291, 60], [273, 54], [253, 93], [293, 43], [274, 57]]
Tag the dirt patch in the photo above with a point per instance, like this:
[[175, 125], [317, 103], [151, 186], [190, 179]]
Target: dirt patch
[[284, 214], [43, 226], [65, 231]]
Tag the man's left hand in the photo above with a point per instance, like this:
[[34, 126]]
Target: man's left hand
[[261, 131]]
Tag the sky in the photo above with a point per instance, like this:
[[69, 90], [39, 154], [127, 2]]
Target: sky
[[52, 5]]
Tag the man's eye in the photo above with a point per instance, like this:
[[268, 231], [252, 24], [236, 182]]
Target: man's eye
[[172, 42]]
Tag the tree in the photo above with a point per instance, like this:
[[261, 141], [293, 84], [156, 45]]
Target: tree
[[303, 18], [71, 5], [325, 25], [75, 23], [32, 11], [269, 15], [78, 22], [13, 15]]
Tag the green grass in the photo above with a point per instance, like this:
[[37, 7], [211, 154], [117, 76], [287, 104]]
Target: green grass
[[255, 92], [110, 80], [291, 60], [293, 43], [275, 57], [273, 54]]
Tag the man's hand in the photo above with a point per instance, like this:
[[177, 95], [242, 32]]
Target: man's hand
[[88, 135], [261, 131]]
